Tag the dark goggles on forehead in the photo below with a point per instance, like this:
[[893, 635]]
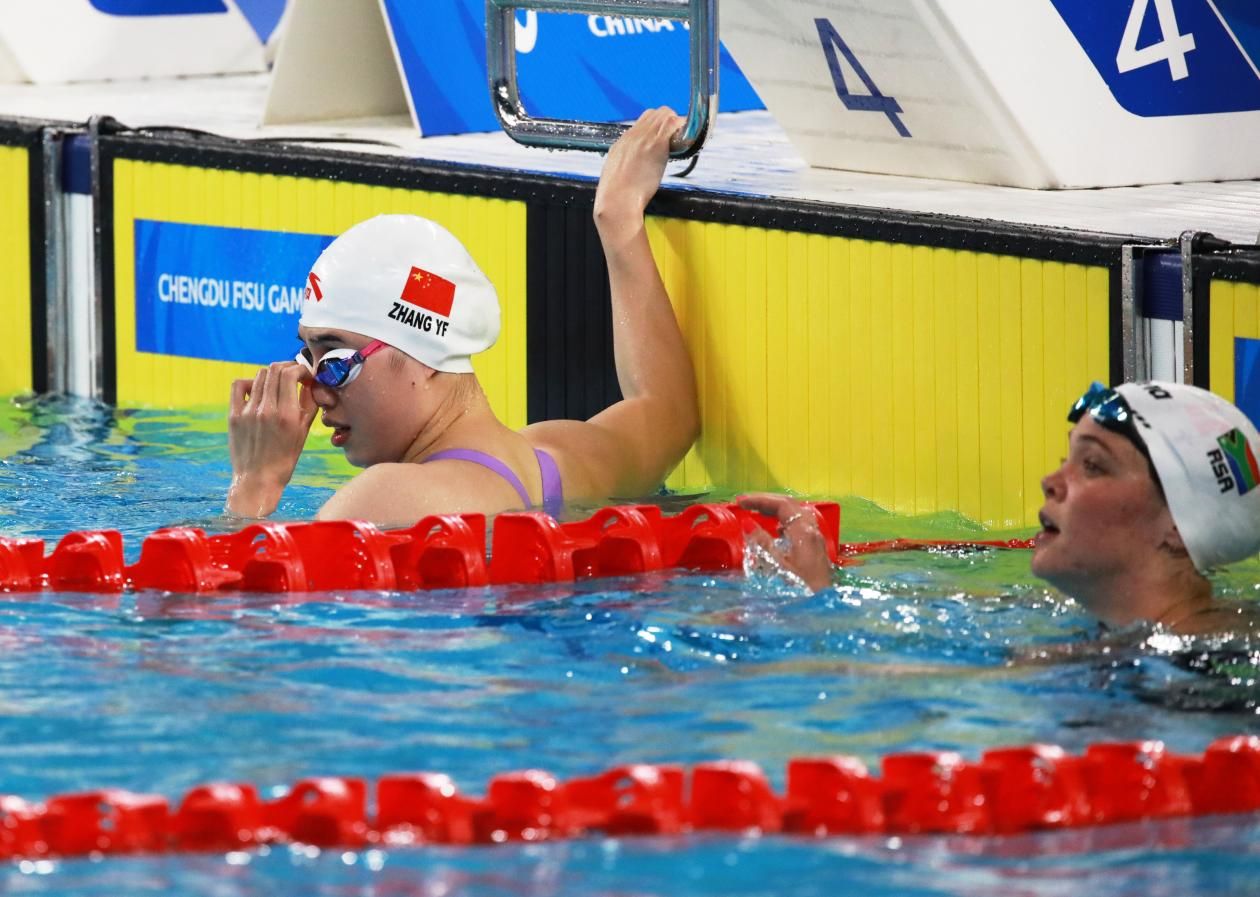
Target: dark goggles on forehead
[[1108, 409], [338, 366]]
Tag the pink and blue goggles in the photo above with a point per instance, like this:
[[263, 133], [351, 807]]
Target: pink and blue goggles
[[338, 366]]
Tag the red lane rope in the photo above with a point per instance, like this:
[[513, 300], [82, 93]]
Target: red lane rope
[[850, 550], [439, 552], [1009, 790]]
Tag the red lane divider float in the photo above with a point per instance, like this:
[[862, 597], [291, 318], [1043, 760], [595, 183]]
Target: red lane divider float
[[850, 553], [438, 552], [1008, 791]]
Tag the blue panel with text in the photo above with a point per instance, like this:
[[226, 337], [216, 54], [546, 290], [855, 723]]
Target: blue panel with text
[[587, 68], [1247, 377], [221, 293]]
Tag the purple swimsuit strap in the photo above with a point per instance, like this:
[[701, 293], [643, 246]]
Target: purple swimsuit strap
[[553, 492], [552, 488]]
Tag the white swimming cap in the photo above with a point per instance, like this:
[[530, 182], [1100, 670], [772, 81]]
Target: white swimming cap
[[1205, 451], [408, 282]]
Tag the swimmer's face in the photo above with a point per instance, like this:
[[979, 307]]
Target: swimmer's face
[[374, 416], [1103, 513]]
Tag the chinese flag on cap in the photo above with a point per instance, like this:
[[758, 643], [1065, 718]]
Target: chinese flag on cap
[[429, 291]]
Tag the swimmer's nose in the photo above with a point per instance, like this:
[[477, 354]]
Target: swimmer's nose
[[1052, 483], [323, 396]]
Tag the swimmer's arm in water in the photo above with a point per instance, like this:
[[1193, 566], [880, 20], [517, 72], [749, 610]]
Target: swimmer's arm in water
[[268, 421], [628, 448]]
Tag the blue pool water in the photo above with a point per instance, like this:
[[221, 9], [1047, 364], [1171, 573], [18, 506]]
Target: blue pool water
[[155, 693]]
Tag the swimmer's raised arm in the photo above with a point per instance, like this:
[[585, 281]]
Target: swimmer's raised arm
[[628, 448], [267, 426]]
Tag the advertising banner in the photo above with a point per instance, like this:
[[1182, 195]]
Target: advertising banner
[[1247, 377], [362, 58], [220, 293], [582, 67], [54, 41]]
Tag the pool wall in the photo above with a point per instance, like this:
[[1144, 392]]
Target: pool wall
[[1227, 301], [921, 361], [22, 258]]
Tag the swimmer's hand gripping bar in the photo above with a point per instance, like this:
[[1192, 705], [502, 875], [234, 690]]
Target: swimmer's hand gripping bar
[[553, 133]]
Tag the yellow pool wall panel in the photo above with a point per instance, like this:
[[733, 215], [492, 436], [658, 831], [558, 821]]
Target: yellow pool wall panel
[[924, 379], [15, 270], [493, 230], [1234, 314]]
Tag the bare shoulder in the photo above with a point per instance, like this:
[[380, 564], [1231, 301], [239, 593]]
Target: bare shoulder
[[399, 495], [1223, 618], [589, 456]]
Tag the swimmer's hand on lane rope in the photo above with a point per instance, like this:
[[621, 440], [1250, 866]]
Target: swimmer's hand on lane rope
[[267, 426], [801, 550]]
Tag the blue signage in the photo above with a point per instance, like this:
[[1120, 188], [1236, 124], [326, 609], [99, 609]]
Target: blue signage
[[263, 15], [158, 7], [1247, 377], [1172, 57], [586, 68], [221, 293]]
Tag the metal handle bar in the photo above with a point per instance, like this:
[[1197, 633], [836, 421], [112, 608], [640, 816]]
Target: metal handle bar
[[558, 133]]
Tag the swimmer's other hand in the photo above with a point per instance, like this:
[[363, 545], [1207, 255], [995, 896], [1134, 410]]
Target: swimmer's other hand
[[802, 549]]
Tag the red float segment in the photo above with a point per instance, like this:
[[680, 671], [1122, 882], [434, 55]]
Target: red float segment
[[423, 807], [523, 806], [733, 795], [218, 817], [22, 829], [832, 796], [625, 539], [180, 560], [935, 793], [443, 552], [1135, 780], [21, 565], [703, 537], [629, 800], [1010, 790], [346, 554], [531, 547], [1035, 787], [266, 555], [110, 821], [325, 812], [87, 562], [1228, 780]]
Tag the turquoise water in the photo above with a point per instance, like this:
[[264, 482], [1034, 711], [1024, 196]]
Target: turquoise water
[[155, 693]]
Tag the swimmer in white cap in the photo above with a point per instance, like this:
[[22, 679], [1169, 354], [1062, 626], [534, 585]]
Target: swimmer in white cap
[[395, 307], [1160, 486]]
